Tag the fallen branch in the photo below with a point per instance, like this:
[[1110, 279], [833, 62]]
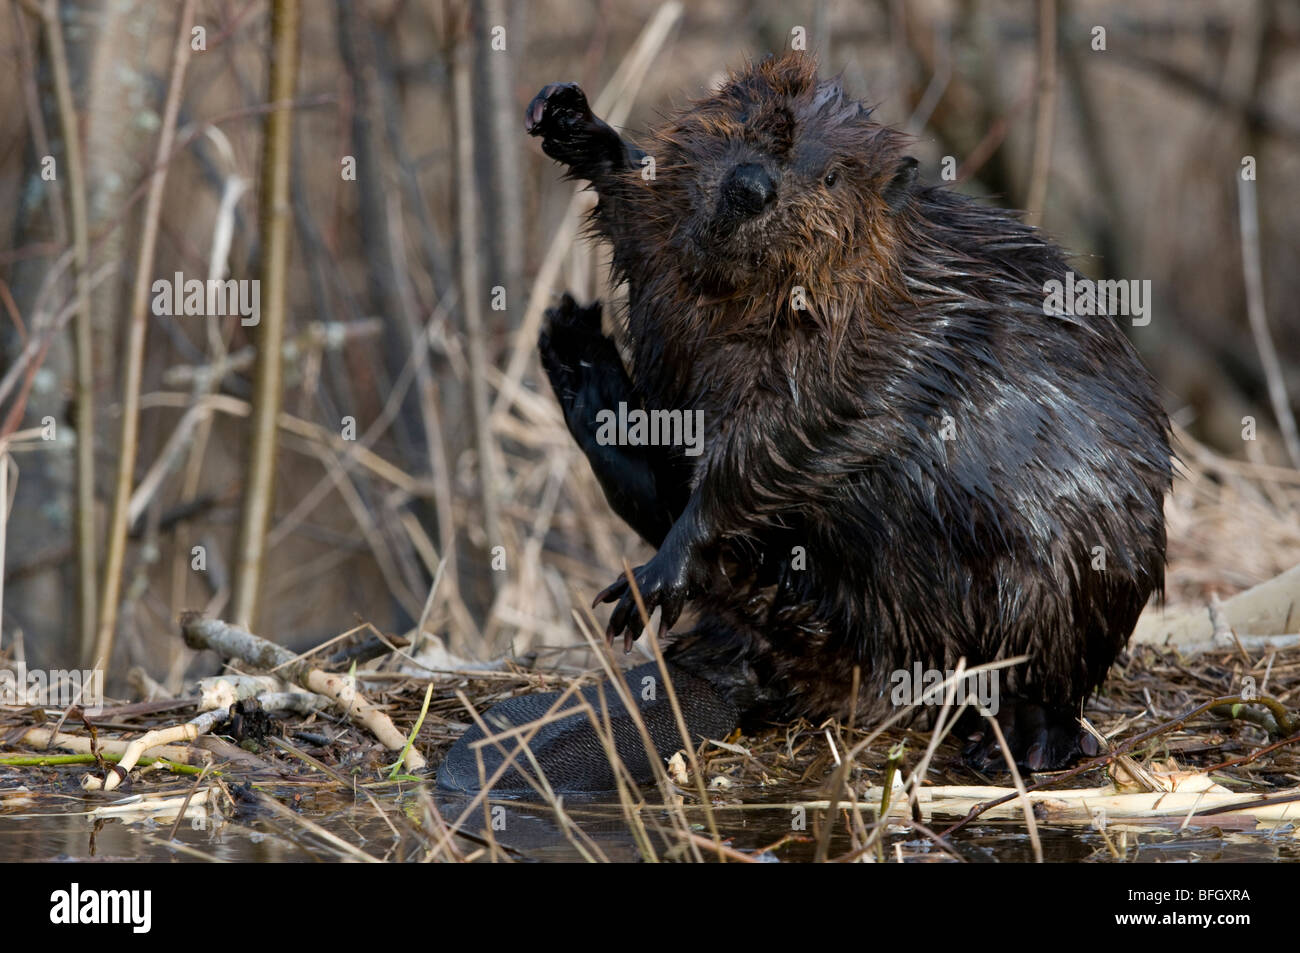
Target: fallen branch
[[187, 732], [231, 641], [199, 805], [1191, 796], [43, 738], [1281, 715], [1270, 608]]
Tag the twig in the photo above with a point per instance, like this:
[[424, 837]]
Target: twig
[[503, 189], [1254, 275], [275, 807], [471, 297], [4, 524], [1031, 825], [939, 80], [233, 188], [44, 326], [1260, 118], [189, 731], [138, 324], [85, 419], [1228, 700], [235, 407], [1046, 117], [45, 737], [614, 102], [328, 336], [229, 640], [259, 487]]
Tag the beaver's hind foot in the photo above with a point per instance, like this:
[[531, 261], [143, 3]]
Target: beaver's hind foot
[[1040, 738]]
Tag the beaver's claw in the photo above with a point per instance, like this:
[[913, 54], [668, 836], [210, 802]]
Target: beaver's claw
[[571, 341], [1040, 738], [572, 134], [661, 584], [559, 107], [561, 115]]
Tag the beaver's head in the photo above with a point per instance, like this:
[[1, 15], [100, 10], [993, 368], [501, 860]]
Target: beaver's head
[[775, 180]]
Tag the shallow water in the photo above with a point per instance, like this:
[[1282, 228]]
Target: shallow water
[[64, 826]]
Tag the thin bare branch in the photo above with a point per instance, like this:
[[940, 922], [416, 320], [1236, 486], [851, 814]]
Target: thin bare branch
[[276, 222], [137, 328]]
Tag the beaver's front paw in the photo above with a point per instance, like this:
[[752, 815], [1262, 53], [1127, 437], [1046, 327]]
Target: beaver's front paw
[[561, 115], [665, 581], [582, 364], [571, 339]]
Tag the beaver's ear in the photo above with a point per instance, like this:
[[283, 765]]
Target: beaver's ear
[[900, 186]]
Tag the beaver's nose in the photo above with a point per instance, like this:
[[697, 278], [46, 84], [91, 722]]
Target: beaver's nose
[[748, 189]]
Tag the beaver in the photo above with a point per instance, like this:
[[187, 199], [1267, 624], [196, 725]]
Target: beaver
[[908, 459]]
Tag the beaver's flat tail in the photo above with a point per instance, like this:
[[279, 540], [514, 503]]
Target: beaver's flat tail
[[570, 749]]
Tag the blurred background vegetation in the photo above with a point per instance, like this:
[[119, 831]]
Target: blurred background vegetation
[[413, 288]]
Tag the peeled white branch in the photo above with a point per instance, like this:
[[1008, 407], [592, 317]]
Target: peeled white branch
[[1268, 609], [39, 738], [152, 739], [229, 640], [1189, 795]]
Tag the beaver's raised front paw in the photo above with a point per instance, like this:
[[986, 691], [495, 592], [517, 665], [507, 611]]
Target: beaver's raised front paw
[[583, 365], [571, 337], [561, 116]]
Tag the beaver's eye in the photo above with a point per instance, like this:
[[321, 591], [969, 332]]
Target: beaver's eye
[[831, 178]]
